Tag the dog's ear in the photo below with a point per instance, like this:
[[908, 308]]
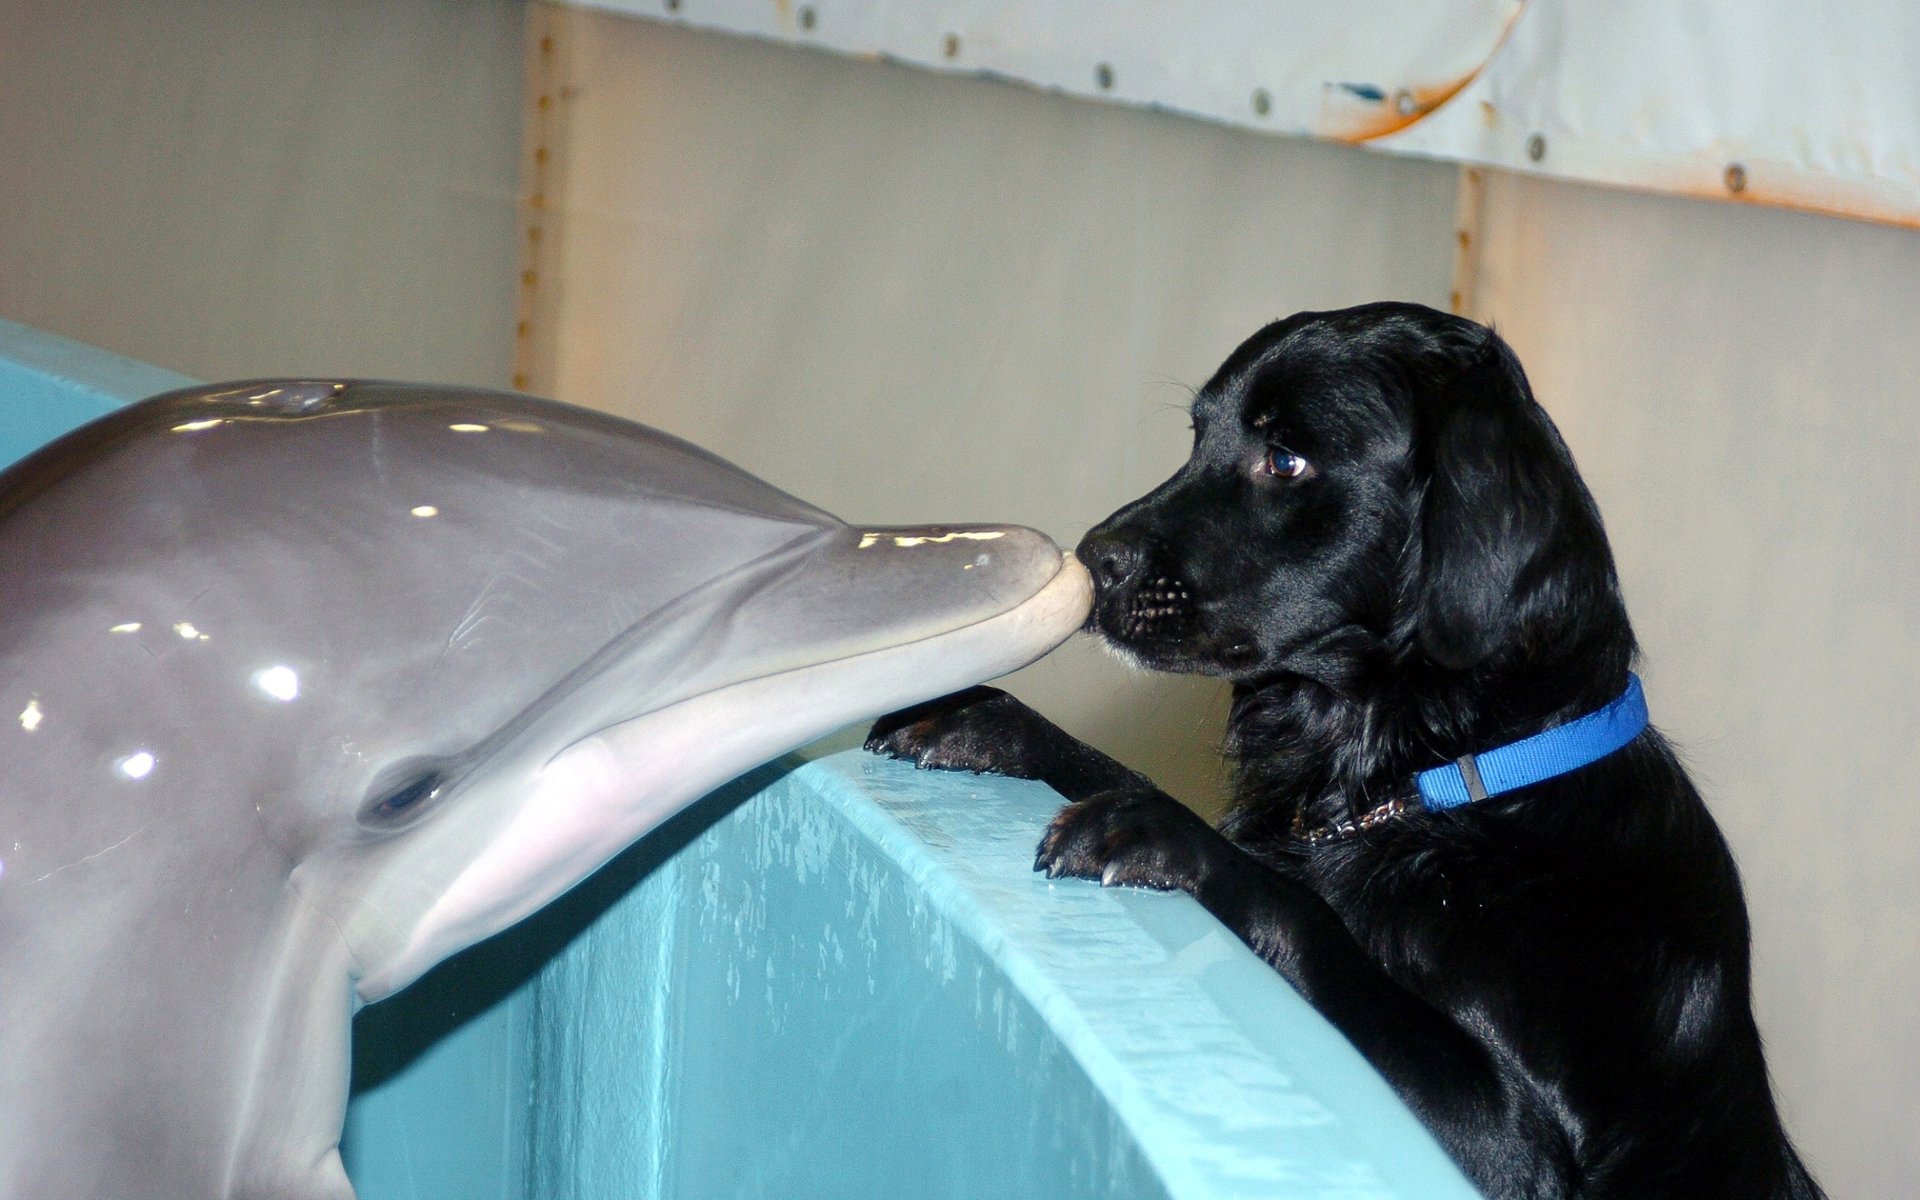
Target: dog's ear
[[1500, 492]]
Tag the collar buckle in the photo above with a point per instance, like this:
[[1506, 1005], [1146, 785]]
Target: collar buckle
[[1470, 773]]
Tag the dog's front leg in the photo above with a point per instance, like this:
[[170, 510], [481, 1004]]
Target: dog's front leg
[[1136, 834], [1443, 1073], [1120, 829], [983, 729]]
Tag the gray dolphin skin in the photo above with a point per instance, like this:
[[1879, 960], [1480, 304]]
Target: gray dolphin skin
[[305, 686]]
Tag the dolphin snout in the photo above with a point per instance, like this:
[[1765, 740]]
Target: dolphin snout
[[950, 572], [867, 588]]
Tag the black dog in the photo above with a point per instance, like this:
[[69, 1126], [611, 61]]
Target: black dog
[[1381, 540]]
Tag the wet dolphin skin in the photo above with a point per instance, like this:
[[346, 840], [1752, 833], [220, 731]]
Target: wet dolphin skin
[[306, 685]]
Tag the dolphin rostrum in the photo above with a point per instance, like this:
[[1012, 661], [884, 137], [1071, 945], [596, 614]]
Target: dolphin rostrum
[[305, 686]]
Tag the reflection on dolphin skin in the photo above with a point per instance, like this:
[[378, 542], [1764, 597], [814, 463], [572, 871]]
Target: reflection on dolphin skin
[[305, 686]]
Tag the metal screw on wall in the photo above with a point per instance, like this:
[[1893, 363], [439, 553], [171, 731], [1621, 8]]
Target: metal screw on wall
[[1103, 75], [1537, 147]]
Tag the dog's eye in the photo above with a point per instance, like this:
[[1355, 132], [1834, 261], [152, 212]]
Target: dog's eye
[[1282, 463]]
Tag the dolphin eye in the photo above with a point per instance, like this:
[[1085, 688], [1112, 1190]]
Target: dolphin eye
[[395, 806], [1282, 463]]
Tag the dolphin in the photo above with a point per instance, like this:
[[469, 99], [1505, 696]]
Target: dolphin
[[307, 685]]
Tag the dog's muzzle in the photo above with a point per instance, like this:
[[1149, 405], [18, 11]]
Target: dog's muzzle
[[1134, 603], [1158, 609]]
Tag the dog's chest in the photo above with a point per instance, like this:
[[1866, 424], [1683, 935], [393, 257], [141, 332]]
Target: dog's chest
[[1411, 904]]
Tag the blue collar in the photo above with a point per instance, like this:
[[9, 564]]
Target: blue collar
[[1544, 755]]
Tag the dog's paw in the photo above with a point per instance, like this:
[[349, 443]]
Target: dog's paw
[[1140, 838], [981, 729]]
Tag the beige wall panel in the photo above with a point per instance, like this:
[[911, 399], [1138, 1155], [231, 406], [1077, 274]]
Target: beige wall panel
[[1739, 386], [265, 187], [911, 297]]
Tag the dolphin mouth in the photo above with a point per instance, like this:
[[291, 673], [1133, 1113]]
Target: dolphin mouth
[[868, 588], [910, 630], [603, 791], [860, 622], [829, 596]]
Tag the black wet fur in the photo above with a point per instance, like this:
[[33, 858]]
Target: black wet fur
[[1555, 980]]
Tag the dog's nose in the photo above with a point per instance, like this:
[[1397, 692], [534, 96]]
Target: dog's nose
[[1112, 560]]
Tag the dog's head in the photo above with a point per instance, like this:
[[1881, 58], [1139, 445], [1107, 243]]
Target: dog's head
[[1369, 488]]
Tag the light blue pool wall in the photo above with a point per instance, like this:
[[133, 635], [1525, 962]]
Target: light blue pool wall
[[50, 384]]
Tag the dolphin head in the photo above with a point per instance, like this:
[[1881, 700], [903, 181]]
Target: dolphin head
[[317, 683]]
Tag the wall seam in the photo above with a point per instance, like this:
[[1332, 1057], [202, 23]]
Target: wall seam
[[546, 105]]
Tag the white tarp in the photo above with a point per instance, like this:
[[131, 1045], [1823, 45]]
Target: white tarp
[[1794, 102]]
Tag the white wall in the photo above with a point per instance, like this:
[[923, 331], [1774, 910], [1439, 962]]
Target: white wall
[[1740, 389], [264, 187], [910, 297]]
